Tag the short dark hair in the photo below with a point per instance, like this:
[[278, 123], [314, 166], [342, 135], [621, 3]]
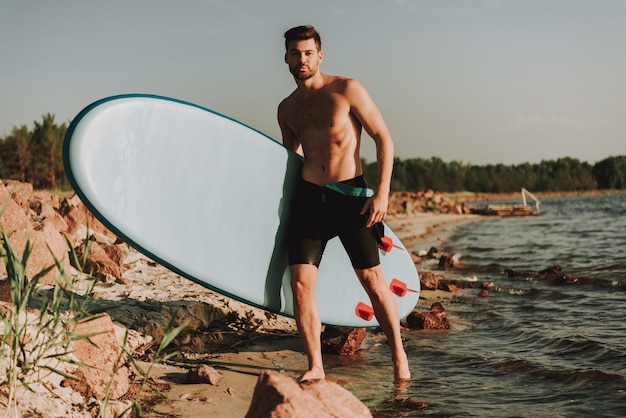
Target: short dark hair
[[302, 33]]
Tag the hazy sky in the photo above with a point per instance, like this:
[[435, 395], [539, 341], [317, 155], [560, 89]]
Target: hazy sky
[[483, 81]]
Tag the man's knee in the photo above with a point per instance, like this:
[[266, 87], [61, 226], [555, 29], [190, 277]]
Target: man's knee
[[372, 279], [303, 278]]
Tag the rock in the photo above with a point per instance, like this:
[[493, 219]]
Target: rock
[[554, 274], [342, 341], [44, 197], [117, 253], [449, 287], [14, 217], [77, 217], [456, 209], [46, 244], [101, 352], [428, 280], [433, 252], [98, 263], [435, 319], [73, 216], [204, 374], [21, 193], [483, 293], [57, 221], [42, 210], [279, 396], [416, 258], [552, 271], [437, 307], [489, 286], [423, 201], [5, 291], [446, 261]]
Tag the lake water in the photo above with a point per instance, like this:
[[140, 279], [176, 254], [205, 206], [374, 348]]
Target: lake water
[[533, 347]]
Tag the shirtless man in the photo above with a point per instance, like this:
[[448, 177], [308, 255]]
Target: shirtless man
[[322, 120]]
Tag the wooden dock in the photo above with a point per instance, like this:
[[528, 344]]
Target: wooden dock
[[511, 210]]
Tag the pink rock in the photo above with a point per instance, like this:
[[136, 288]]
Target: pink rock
[[449, 287], [342, 341], [46, 244], [435, 319], [21, 193], [98, 263], [100, 350], [204, 374], [280, 396], [76, 215], [428, 280], [15, 216]]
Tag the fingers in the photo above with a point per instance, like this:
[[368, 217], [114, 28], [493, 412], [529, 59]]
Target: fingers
[[375, 217], [376, 214]]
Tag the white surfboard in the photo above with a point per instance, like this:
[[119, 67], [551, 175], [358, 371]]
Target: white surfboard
[[208, 197]]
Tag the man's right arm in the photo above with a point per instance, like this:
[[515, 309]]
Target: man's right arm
[[290, 140]]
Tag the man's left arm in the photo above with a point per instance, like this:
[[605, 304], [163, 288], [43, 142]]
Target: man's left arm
[[373, 123]]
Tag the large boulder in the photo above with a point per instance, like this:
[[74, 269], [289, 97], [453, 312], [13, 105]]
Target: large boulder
[[99, 351], [47, 247], [280, 396]]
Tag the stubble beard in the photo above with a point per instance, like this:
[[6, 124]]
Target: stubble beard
[[295, 71]]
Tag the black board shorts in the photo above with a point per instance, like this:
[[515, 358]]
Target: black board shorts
[[319, 213]]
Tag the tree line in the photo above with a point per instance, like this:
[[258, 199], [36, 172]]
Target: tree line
[[35, 156], [563, 174]]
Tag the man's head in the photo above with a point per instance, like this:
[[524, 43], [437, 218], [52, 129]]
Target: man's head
[[302, 33], [304, 51]]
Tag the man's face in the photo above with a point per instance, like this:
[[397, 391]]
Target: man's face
[[303, 59]]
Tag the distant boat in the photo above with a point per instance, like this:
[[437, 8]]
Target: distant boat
[[511, 210]]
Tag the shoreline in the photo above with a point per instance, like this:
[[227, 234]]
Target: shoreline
[[421, 230], [276, 347]]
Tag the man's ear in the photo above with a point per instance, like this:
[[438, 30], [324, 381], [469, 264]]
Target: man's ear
[[321, 56], [285, 58]]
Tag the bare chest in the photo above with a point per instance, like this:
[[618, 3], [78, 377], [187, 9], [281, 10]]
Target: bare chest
[[318, 115]]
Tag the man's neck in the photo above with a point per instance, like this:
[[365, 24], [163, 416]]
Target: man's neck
[[311, 84]]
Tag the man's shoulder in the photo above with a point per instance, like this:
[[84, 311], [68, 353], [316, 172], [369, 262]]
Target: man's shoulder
[[343, 84], [286, 103], [336, 80]]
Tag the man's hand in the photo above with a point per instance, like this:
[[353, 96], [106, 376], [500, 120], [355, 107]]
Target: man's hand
[[377, 206]]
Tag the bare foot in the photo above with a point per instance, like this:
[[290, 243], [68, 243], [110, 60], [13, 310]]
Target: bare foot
[[312, 375]]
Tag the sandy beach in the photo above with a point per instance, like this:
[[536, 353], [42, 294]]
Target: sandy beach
[[274, 345]]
